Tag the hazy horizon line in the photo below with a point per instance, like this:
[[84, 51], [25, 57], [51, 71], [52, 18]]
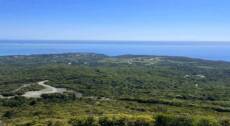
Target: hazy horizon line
[[114, 40]]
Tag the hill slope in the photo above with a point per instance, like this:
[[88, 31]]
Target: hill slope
[[123, 84]]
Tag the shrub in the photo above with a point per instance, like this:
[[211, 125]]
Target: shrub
[[225, 122], [15, 102], [182, 121], [8, 114], [57, 97], [207, 122], [125, 120], [114, 121], [84, 121], [55, 123], [139, 121], [163, 120], [166, 120]]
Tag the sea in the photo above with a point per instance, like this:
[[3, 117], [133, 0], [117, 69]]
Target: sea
[[219, 51]]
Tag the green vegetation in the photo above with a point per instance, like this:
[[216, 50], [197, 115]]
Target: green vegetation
[[124, 90], [21, 90]]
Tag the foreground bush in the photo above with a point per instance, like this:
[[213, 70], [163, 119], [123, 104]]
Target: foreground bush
[[56, 123], [140, 121], [159, 120], [166, 120], [106, 121], [84, 121], [113, 120], [207, 122], [125, 120], [57, 97], [225, 122]]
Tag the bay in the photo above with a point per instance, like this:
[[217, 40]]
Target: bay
[[203, 50]]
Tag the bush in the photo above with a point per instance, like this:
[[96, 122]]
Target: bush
[[15, 102], [166, 120], [160, 120], [55, 123], [8, 114], [225, 122], [106, 121], [125, 120], [139, 121], [57, 97], [207, 122], [163, 120], [84, 121], [113, 120]]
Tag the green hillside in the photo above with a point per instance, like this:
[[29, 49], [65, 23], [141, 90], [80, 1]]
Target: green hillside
[[132, 90]]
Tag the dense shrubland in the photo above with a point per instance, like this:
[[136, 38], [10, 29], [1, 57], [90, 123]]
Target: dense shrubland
[[129, 120], [158, 120], [140, 85]]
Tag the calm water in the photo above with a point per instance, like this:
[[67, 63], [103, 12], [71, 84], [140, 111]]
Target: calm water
[[204, 50]]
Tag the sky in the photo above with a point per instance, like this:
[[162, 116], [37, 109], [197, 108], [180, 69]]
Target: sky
[[149, 20]]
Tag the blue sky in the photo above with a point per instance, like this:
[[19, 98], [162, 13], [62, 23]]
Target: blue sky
[[194, 20]]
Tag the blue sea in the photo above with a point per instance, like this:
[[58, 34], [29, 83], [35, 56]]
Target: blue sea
[[203, 50]]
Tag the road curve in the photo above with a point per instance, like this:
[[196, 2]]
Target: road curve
[[47, 90]]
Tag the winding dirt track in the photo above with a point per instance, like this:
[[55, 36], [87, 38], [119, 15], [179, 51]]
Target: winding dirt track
[[37, 94], [47, 90]]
